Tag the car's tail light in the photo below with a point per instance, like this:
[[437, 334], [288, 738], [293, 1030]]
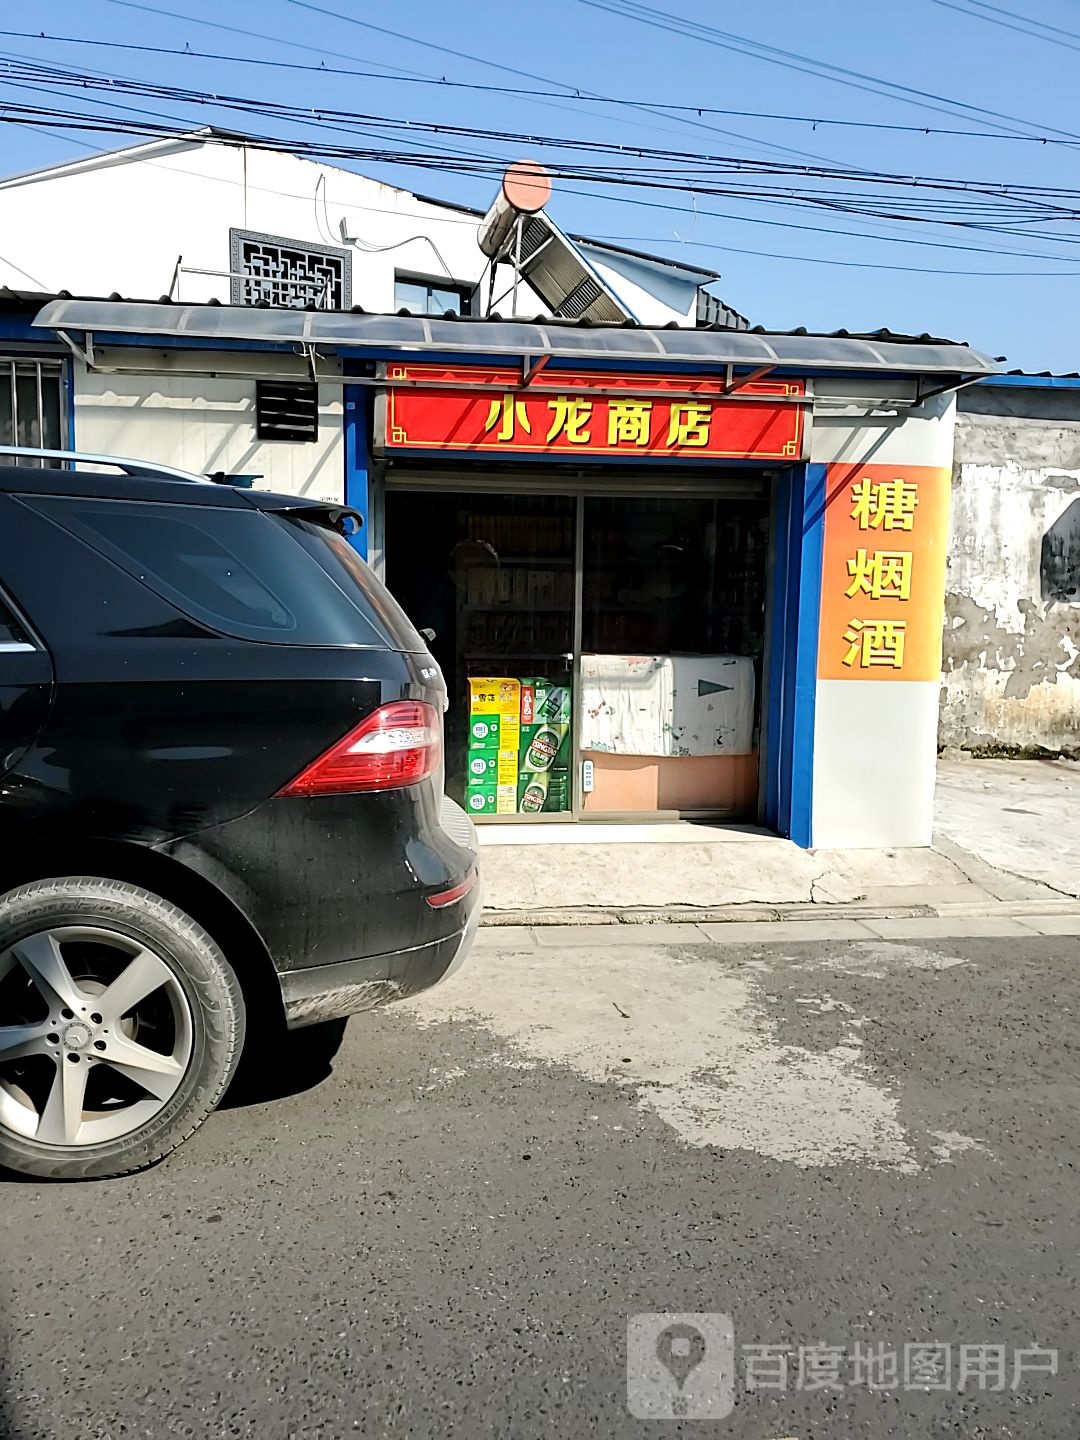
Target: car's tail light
[[399, 744]]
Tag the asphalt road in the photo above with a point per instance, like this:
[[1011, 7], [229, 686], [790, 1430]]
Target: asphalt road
[[851, 1150]]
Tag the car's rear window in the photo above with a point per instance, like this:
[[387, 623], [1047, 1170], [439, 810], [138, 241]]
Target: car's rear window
[[238, 571], [345, 567]]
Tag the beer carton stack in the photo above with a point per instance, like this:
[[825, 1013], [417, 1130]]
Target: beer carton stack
[[494, 741], [544, 768], [519, 747]]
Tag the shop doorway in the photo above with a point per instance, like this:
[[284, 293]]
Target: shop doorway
[[603, 651]]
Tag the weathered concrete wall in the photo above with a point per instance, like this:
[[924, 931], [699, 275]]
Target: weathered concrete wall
[[1012, 623]]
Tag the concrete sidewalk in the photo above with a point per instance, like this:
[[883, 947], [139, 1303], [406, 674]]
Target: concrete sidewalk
[[991, 857], [1020, 816]]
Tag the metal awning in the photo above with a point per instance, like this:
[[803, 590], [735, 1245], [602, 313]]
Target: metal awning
[[517, 340]]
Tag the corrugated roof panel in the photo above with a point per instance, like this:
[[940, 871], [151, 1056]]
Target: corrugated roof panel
[[626, 343]]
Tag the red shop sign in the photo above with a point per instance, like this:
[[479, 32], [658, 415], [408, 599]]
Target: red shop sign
[[561, 413]]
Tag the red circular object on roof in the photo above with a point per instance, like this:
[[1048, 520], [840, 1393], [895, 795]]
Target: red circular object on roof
[[527, 186]]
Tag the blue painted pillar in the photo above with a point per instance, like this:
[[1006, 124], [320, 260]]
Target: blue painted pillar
[[793, 650], [357, 461]]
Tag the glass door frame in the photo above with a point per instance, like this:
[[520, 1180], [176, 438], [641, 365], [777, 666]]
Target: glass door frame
[[617, 486]]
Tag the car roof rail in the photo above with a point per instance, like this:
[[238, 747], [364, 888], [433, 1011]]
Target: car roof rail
[[144, 469]]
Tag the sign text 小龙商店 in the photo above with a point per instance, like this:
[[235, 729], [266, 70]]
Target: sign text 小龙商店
[[584, 415]]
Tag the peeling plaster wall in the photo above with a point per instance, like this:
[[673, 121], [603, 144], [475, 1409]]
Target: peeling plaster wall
[[1011, 658]]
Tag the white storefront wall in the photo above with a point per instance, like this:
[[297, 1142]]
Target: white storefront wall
[[206, 423], [875, 741]]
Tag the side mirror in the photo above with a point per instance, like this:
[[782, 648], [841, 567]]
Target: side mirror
[[428, 634]]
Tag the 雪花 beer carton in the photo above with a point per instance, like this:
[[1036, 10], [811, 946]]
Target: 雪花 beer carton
[[494, 737], [497, 695]]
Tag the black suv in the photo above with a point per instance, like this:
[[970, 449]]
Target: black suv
[[221, 801]]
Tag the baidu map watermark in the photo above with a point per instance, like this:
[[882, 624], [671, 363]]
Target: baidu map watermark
[[688, 1367]]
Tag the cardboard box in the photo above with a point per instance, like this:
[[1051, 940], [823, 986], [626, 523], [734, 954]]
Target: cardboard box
[[494, 732], [545, 700], [547, 791], [495, 695], [544, 747], [492, 767], [492, 800]]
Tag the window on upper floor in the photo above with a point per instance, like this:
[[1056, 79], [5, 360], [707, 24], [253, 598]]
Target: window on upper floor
[[31, 404], [427, 296], [273, 270]]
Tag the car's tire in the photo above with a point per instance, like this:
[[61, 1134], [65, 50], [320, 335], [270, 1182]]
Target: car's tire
[[73, 1103]]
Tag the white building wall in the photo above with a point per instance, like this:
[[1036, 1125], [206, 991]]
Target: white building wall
[[205, 423], [875, 741], [96, 227]]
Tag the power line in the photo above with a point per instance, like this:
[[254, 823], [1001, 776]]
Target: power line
[[521, 92], [805, 64], [375, 124], [697, 212], [847, 264], [701, 168], [489, 165], [775, 199], [1020, 27], [548, 103], [98, 123], [251, 34], [545, 79]]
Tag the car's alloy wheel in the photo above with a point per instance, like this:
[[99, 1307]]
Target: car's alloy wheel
[[120, 1026]]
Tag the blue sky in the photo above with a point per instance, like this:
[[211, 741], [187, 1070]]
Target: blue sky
[[926, 45]]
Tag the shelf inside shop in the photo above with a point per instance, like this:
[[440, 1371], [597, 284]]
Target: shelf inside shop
[[541, 562], [504, 659]]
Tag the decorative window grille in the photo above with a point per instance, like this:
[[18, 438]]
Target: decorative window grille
[[272, 270]]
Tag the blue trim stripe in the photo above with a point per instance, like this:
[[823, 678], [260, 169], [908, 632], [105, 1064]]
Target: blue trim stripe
[[811, 538], [357, 463], [1033, 382], [69, 401], [789, 761]]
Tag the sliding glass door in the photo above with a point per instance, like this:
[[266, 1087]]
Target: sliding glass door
[[602, 652], [494, 576], [672, 636]]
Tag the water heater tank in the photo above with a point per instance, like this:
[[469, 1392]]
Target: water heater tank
[[526, 189]]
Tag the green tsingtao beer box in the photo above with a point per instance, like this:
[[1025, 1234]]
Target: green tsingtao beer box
[[543, 700], [544, 747], [545, 790], [544, 751], [491, 800]]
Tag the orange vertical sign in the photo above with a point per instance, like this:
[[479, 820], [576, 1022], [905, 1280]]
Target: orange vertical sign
[[883, 572]]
